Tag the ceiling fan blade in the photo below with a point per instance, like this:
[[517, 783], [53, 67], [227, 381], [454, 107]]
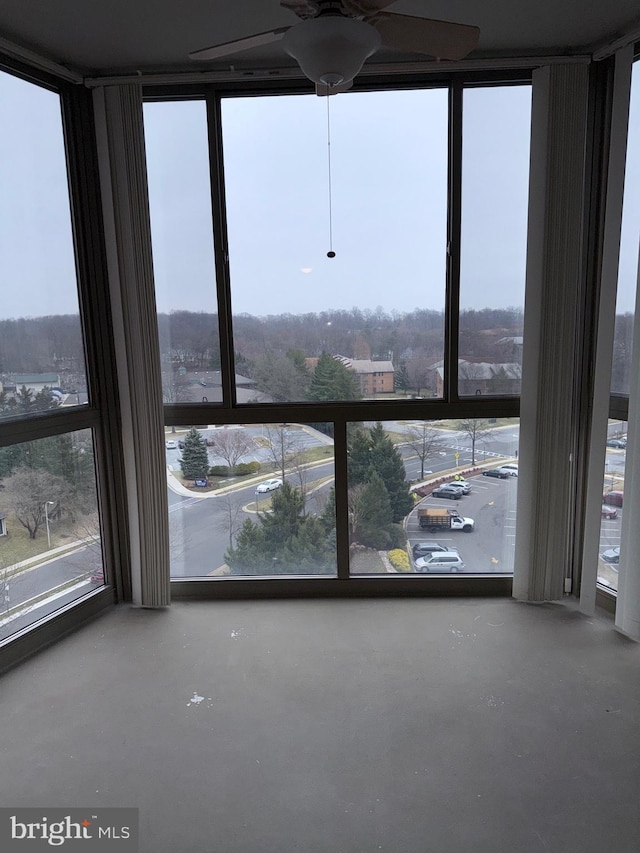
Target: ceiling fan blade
[[322, 90], [301, 8], [230, 47], [366, 8], [442, 39]]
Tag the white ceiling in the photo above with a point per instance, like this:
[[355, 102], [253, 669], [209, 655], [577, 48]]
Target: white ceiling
[[121, 36]]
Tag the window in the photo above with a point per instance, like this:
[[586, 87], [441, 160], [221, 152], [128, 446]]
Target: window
[[612, 504], [628, 267], [51, 535], [495, 185], [267, 494], [42, 364], [251, 500], [52, 552], [297, 334], [411, 481], [183, 257]]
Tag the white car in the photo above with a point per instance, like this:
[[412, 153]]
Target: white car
[[171, 444], [269, 486], [510, 468]]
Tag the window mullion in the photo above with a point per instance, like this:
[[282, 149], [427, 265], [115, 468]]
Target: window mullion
[[452, 293]]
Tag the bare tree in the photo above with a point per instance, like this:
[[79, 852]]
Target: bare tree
[[474, 429], [282, 442], [419, 369], [231, 517], [28, 490], [175, 389], [230, 444], [425, 441], [355, 507]]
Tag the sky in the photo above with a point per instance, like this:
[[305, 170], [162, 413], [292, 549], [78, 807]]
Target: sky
[[388, 202]]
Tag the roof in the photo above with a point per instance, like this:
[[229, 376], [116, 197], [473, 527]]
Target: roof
[[37, 378], [365, 365]]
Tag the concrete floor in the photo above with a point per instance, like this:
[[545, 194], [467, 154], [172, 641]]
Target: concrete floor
[[402, 726]]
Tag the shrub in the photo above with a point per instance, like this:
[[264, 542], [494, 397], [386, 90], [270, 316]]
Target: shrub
[[244, 468], [400, 560], [220, 471], [397, 535]]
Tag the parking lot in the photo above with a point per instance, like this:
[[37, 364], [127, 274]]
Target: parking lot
[[489, 549]]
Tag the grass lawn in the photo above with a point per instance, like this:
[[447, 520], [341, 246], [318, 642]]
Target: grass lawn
[[16, 545]]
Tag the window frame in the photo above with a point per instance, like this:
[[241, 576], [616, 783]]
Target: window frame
[[101, 413], [339, 413]]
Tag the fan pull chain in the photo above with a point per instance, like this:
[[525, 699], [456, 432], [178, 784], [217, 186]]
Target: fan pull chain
[[330, 253]]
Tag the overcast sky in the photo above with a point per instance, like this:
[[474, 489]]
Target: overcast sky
[[389, 161]]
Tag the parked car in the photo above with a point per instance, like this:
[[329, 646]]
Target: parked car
[[461, 484], [171, 444], [496, 472], [269, 486], [609, 511], [423, 549], [616, 442], [510, 468], [612, 555], [447, 491], [613, 498], [440, 562]]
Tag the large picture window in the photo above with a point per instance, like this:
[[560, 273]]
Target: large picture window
[[331, 343]]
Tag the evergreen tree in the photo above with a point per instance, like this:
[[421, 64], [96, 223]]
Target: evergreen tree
[[371, 514], [195, 459], [333, 381], [284, 540], [387, 462], [359, 450], [401, 377]]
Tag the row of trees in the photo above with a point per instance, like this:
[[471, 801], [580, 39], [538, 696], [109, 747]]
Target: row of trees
[[191, 339]]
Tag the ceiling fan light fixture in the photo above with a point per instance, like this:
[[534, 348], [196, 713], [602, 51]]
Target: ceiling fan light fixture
[[331, 49]]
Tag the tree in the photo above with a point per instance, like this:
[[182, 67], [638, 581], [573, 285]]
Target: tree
[[230, 444], [175, 389], [372, 456], [282, 443], [284, 377], [474, 429], [331, 380], [195, 459], [283, 540], [425, 442], [370, 514], [231, 516], [401, 377], [26, 492], [387, 462]]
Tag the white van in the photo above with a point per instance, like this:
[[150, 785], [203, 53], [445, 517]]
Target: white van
[[510, 469], [440, 561]]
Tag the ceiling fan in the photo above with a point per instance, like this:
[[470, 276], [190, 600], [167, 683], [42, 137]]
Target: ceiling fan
[[335, 37]]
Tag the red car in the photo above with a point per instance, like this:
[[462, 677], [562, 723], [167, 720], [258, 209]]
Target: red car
[[613, 498]]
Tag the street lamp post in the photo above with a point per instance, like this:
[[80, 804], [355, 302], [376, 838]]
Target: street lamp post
[[46, 518]]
